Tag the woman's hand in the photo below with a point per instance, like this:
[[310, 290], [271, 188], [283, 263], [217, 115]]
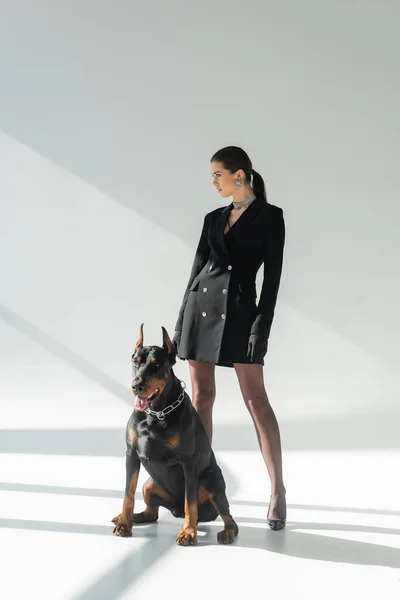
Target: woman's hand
[[257, 348]]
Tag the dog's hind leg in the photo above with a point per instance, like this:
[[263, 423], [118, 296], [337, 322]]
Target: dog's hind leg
[[154, 497], [212, 489], [207, 511]]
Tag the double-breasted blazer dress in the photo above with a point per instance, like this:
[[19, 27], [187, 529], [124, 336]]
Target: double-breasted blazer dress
[[219, 309]]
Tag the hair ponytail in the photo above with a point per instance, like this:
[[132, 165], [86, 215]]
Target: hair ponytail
[[259, 186]]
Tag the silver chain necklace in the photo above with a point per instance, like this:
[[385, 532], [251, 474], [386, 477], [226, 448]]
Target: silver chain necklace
[[160, 414], [246, 201]]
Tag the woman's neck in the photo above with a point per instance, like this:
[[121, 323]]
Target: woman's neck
[[242, 193], [244, 200]]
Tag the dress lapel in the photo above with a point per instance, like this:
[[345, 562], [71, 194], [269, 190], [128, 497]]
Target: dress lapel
[[220, 223]]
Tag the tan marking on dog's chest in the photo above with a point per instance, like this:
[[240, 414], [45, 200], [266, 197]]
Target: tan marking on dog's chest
[[131, 435], [174, 441]]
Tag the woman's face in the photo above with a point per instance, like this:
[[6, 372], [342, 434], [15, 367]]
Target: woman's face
[[224, 180]]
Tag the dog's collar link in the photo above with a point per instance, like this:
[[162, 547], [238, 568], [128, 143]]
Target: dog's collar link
[[160, 414]]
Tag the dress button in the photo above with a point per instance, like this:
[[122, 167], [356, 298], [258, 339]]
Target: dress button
[[224, 291], [204, 314], [222, 316], [204, 290], [230, 268]]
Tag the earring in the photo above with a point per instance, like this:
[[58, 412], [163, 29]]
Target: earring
[[238, 183]]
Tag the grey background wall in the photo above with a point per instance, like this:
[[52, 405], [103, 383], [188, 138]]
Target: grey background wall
[[109, 114]]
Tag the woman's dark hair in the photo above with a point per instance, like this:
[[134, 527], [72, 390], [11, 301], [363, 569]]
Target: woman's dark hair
[[234, 158]]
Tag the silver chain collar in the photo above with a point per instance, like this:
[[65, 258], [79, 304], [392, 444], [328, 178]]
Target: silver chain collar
[[247, 201], [160, 414]]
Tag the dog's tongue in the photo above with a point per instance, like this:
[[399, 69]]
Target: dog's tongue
[[141, 402]]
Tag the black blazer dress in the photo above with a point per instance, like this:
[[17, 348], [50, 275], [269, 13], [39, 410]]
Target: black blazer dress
[[219, 309]]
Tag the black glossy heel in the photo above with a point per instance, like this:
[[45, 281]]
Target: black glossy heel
[[275, 524]]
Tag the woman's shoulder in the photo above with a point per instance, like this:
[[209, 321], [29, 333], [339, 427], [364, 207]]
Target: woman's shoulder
[[217, 211], [220, 209], [271, 208], [268, 210]]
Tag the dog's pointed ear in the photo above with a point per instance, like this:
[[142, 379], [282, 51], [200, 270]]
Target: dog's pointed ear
[[139, 343], [167, 344]]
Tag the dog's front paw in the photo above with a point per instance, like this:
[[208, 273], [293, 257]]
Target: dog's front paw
[[187, 537], [227, 536], [123, 527]]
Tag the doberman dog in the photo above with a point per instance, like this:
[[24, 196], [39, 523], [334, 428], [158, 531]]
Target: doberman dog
[[165, 435]]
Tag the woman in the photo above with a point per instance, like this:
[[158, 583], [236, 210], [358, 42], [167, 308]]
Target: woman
[[219, 321]]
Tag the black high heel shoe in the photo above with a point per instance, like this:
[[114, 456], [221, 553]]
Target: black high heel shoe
[[275, 524]]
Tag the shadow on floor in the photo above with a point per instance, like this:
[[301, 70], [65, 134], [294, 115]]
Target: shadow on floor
[[289, 542]]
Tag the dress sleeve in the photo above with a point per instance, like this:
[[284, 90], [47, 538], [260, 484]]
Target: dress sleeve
[[200, 259], [273, 259]]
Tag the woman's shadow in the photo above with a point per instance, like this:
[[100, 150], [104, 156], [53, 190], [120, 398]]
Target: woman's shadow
[[294, 541]]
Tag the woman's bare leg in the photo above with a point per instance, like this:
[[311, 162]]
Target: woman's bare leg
[[202, 375], [251, 381]]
